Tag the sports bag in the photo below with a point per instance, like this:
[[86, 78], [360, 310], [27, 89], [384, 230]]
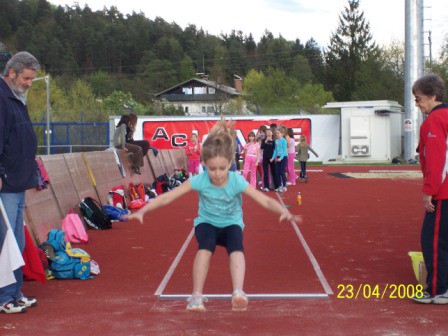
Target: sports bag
[[114, 213], [74, 229], [117, 197], [65, 267], [65, 262], [56, 239], [136, 191], [93, 214], [137, 204], [160, 184]]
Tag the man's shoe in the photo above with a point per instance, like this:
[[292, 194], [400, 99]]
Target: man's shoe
[[27, 302], [12, 308]]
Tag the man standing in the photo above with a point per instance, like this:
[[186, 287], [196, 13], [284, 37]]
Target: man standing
[[18, 149], [429, 93]]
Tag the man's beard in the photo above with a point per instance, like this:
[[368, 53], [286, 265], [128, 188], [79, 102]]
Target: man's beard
[[19, 89]]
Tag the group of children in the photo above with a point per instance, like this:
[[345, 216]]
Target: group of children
[[269, 155]]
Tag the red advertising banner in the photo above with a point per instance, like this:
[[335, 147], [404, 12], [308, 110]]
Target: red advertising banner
[[169, 134]]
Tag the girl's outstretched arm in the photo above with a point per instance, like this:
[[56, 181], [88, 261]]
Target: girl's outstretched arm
[[271, 204], [160, 201]]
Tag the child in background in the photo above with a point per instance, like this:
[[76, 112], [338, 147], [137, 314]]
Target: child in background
[[259, 167], [252, 154], [302, 154], [220, 215], [280, 157], [268, 146], [261, 135], [120, 143], [193, 150], [238, 150], [291, 157]]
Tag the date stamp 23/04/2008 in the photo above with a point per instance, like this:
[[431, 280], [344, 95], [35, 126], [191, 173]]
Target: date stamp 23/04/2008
[[386, 291]]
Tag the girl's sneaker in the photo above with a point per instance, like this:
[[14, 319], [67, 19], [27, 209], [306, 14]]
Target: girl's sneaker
[[265, 189], [239, 300], [196, 303]]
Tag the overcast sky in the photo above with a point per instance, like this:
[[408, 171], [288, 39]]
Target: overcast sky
[[292, 19]]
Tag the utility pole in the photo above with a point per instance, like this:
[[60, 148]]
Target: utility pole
[[47, 117]]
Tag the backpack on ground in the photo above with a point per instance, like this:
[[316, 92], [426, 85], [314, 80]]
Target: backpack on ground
[[74, 229], [65, 262], [136, 191], [94, 215], [161, 184], [65, 267], [117, 197], [180, 175], [115, 213], [137, 196]]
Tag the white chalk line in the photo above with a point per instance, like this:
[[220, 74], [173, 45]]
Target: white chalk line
[[313, 260], [291, 296], [173, 266], [395, 171]]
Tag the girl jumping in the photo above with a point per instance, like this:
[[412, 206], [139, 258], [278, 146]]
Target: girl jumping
[[220, 217]]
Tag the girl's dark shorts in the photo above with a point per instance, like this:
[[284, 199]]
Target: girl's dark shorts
[[208, 236]]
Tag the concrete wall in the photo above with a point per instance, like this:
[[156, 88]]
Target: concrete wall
[[78, 175]]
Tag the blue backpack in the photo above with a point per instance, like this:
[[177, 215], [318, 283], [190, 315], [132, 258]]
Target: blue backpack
[[65, 267], [62, 265], [56, 238], [115, 213]]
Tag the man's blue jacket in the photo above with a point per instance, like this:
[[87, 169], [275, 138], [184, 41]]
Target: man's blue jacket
[[18, 144]]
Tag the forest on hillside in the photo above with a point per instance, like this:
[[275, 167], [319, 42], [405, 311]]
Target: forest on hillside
[[109, 60]]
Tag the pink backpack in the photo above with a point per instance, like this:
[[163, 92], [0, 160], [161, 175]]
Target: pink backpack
[[74, 229]]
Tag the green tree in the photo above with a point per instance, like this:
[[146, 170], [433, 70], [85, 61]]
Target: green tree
[[271, 92], [301, 70], [312, 97], [120, 102], [84, 104], [350, 46], [313, 54], [101, 83], [186, 68], [382, 77]]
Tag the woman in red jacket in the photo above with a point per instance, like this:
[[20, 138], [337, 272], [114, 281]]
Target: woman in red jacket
[[429, 93]]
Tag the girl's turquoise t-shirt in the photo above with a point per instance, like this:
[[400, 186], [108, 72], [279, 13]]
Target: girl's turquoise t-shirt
[[281, 148], [219, 206]]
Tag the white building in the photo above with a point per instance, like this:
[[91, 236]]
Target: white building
[[203, 97], [371, 131]]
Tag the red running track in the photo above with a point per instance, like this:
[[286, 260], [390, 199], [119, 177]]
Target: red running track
[[359, 231]]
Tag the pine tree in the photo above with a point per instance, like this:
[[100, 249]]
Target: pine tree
[[350, 46]]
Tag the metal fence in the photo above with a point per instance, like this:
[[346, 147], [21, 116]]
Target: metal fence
[[71, 137]]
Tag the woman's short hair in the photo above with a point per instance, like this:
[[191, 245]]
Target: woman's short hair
[[430, 85]]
